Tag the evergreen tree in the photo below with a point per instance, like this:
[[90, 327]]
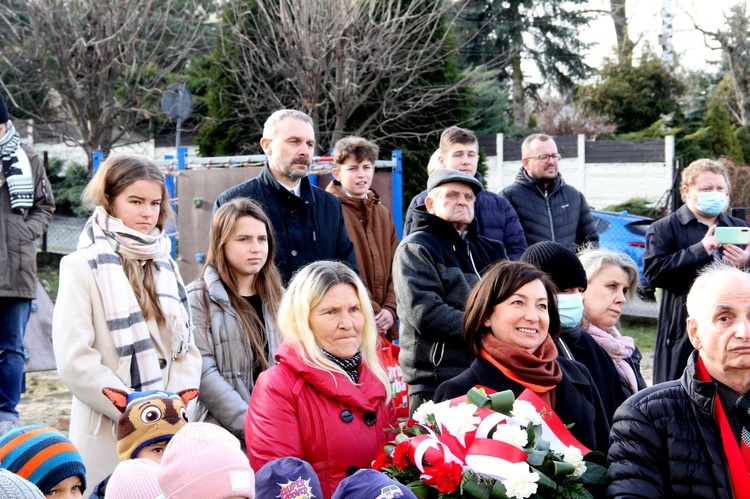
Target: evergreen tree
[[502, 33], [634, 96], [721, 137]]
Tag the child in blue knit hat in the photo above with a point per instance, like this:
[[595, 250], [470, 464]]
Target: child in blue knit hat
[[371, 484], [46, 458]]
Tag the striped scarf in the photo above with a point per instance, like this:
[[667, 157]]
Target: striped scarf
[[17, 171], [106, 237]]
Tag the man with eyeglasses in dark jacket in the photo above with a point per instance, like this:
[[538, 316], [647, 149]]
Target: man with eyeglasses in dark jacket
[[548, 208]]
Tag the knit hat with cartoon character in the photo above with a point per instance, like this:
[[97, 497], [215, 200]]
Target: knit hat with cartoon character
[[287, 477], [148, 417]]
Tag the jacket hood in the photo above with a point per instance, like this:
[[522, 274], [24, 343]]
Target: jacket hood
[[366, 395]]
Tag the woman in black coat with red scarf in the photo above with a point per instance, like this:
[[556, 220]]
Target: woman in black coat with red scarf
[[510, 326]]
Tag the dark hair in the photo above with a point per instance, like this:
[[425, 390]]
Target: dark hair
[[361, 149], [497, 285]]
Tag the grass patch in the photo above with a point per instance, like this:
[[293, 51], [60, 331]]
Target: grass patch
[[48, 270], [641, 329]]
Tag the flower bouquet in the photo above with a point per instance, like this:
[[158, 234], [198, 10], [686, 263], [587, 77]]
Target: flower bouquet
[[490, 445]]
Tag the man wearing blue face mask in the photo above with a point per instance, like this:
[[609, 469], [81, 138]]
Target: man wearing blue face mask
[[566, 271], [677, 247]]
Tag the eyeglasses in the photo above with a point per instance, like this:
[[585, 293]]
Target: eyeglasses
[[545, 157]]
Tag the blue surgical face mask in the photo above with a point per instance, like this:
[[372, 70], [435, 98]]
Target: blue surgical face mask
[[712, 202], [570, 307]]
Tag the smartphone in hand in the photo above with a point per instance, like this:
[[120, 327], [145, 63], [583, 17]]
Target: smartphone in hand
[[732, 235]]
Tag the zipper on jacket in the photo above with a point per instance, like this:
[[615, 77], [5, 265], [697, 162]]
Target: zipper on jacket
[[441, 345], [471, 258], [549, 216]]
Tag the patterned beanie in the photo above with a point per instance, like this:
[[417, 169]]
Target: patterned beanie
[[205, 460], [148, 417], [17, 487], [134, 478], [371, 484], [287, 477], [562, 265], [42, 455]]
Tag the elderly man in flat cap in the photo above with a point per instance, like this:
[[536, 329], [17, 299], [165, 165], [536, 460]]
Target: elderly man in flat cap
[[434, 269]]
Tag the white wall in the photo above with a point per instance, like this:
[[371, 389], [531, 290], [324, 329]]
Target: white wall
[[603, 184], [74, 154]]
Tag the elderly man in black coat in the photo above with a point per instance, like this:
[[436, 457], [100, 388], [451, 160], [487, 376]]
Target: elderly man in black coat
[[689, 437]]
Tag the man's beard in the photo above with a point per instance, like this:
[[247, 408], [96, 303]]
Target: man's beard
[[287, 171]]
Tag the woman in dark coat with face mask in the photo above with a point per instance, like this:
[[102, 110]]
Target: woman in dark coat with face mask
[[567, 273]]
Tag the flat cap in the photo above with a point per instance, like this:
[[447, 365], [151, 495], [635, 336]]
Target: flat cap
[[448, 176]]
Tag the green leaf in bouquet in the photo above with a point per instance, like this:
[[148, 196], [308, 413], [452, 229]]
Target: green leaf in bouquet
[[478, 397], [596, 457], [544, 481], [574, 490], [535, 434], [558, 468], [476, 486], [399, 438], [502, 401], [499, 402], [419, 489], [535, 457], [541, 444], [594, 474]]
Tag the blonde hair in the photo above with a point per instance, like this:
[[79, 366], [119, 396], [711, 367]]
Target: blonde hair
[[434, 163], [114, 176], [594, 260], [703, 165], [267, 282], [305, 291]]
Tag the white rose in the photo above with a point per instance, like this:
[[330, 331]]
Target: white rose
[[525, 413], [424, 410], [522, 484], [574, 457], [511, 434]]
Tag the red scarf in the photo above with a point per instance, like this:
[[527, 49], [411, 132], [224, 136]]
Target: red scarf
[[539, 372], [738, 466]]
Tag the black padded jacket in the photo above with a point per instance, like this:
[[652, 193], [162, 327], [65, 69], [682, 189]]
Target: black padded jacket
[[665, 442], [559, 213]]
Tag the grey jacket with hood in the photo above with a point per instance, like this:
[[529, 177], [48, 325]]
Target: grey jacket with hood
[[227, 374]]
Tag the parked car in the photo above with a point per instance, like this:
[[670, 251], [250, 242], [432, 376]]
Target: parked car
[[626, 233]]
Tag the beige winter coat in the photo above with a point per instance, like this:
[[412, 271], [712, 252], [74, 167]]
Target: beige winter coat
[[87, 361]]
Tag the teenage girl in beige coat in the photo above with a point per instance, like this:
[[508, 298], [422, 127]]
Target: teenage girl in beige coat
[[121, 319]]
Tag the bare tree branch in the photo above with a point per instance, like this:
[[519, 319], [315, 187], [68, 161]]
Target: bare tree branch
[[94, 63], [334, 58]]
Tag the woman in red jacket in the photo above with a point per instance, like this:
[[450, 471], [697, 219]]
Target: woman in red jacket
[[327, 401]]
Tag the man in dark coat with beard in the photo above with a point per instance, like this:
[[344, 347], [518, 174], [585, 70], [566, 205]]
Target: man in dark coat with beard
[[308, 223]]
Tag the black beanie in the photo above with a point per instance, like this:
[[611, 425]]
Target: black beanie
[[562, 265], [4, 118]]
